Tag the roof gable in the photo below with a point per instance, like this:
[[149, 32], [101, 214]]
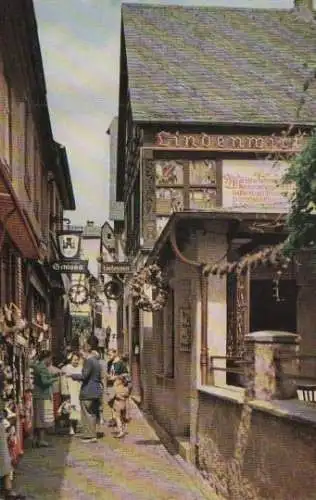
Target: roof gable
[[219, 65]]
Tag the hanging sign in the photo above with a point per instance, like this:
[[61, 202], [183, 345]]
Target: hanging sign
[[69, 243], [117, 268], [113, 290], [71, 266]]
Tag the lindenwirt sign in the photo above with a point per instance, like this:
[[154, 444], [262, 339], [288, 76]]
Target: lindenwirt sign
[[246, 143], [117, 268]]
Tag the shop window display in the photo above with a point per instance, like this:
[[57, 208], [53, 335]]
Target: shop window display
[[20, 342]]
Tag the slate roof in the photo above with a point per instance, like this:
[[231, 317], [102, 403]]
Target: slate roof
[[219, 65]]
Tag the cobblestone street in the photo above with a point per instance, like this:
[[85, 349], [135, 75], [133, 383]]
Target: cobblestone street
[[135, 468]]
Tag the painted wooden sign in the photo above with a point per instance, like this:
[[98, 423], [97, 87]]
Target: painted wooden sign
[[246, 143]]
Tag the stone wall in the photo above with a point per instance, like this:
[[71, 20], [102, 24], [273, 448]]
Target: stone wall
[[306, 320], [252, 454], [169, 398]]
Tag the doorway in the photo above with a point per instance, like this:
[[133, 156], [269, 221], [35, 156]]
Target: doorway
[[268, 313]]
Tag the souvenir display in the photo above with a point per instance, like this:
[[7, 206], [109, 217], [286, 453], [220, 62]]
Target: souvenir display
[[20, 342]]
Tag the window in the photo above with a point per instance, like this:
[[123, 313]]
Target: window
[[37, 183], [7, 136], [44, 207], [28, 154], [159, 335], [9, 289], [182, 184], [169, 334], [51, 205], [164, 321]]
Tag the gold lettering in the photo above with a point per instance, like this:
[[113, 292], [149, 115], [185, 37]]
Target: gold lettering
[[236, 142], [168, 140], [189, 141], [220, 141], [161, 138], [255, 142], [206, 141], [229, 143]]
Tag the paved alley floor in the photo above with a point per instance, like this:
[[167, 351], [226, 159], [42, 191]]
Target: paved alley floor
[[138, 467]]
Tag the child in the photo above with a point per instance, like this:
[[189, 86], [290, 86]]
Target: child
[[121, 394]]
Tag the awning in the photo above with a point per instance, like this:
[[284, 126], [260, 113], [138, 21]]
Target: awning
[[14, 219]]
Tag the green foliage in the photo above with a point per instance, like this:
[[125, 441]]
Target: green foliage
[[301, 221]]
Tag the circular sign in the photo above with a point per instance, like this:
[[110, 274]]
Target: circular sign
[[113, 290], [78, 294]]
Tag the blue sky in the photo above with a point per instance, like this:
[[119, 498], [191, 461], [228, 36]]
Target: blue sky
[[80, 42]]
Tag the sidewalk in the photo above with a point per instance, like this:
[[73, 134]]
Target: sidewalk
[[138, 467]]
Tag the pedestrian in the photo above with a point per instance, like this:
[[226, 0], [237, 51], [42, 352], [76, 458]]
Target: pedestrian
[[100, 420], [72, 391], [108, 332], [128, 379], [90, 392], [66, 356], [93, 342], [7, 492], [56, 388], [100, 334], [116, 367], [121, 394], [43, 398]]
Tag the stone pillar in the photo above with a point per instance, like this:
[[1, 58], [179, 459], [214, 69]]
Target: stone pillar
[[267, 372]]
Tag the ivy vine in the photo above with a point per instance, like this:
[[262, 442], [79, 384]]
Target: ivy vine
[[301, 220]]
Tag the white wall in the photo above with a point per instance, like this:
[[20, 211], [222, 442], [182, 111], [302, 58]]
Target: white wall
[[212, 246], [91, 251]]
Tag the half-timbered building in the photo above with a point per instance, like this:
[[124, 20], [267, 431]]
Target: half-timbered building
[[35, 182], [208, 119]]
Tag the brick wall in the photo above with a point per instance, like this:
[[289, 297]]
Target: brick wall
[[250, 454]]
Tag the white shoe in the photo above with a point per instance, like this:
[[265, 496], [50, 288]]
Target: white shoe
[[71, 431]]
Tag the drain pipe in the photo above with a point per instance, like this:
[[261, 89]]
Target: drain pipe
[[204, 303]]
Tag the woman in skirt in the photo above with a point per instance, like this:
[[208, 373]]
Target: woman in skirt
[[43, 398], [73, 391]]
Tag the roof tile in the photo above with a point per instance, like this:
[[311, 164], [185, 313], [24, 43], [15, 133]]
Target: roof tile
[[219, 65]]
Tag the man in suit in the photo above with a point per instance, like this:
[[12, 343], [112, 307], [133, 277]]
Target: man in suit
[[91, 392]]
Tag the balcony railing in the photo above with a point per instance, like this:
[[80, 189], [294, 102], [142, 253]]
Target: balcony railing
[[284, 375]]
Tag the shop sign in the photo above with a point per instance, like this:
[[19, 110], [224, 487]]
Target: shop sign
[[117, 268], [71, 266], [255, 185], [69, 242], [246, 143]]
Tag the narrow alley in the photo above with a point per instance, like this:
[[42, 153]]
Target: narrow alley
[[136, 468], [157, 243]]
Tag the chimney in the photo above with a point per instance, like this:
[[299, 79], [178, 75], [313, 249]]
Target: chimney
[[304, 9], [304, 4]]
